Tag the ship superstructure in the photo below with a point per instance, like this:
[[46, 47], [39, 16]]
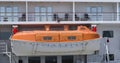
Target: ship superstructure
[[101, 16]]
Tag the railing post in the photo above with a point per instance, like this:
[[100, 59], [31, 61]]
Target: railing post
[[6, 48], [117, 11], [73, 10], [26, 10]]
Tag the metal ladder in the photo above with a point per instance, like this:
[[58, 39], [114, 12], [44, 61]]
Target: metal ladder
[[4, 49]]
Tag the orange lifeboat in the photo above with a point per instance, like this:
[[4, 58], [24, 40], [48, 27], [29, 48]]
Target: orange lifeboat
[[54, 42], [81, 34]]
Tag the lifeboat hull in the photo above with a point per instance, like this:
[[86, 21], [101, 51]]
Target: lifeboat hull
[[24, 48]]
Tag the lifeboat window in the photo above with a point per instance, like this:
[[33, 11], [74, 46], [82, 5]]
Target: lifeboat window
[[47, 38], [71, 37], [56, 28], [28, 28], [108, 34], [73, 27]]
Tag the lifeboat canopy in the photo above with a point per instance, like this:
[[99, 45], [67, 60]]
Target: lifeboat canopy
[[81, 34]]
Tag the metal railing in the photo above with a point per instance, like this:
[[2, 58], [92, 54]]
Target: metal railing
[[57, 16], [12, 17], [5, 49], [79, 16], [99, 16], [4, 46]]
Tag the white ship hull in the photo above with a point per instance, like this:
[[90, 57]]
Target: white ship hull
[[22, 48]]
